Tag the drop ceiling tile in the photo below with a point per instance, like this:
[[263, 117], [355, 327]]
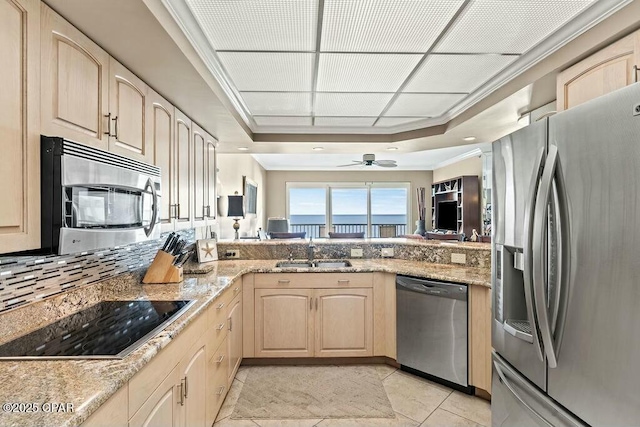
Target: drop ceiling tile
[[394, 121], [351, 104], [278, 103], [384, 25], [257, 25], [282, 120], [423, 104], [254, 71], [345, 121], [364, 72], [456, 73], [508, 26]]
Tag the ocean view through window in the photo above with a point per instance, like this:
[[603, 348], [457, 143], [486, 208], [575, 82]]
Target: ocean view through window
[[377, 209]]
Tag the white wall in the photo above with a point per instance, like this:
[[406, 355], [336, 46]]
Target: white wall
[[277, 181], [232, 167], [471, 166]]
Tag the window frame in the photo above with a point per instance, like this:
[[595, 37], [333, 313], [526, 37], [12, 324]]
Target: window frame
[[351, 184]]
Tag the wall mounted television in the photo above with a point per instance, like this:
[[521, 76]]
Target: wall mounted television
[[447, 215]]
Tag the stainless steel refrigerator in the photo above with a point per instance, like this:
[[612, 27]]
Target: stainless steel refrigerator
[[566, 268]]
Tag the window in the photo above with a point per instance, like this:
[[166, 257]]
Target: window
[[377, 209]]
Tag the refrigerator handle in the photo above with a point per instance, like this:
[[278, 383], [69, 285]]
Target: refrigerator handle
[[507, 384], [552, 169], [527, 252]]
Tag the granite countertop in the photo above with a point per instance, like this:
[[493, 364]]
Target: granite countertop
[[89, 383]]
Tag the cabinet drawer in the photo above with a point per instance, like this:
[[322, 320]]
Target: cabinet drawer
[[313, 280], [217, 372]]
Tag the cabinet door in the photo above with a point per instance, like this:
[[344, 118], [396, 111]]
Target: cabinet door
[[128, 108], [234, 339], [19, 125], [164, 408], [211, 173], [194, 366], [199, 161], [605, 71], [160, 122], [75, 83], [217, 379], [283, 323], [184, 170], [344, 322]]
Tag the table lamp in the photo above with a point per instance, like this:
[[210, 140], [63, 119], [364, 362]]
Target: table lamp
[[236, 211]]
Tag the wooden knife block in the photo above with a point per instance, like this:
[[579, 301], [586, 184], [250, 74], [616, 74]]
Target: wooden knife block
[[162, 270]]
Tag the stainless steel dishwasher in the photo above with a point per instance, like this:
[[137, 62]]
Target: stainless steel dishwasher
[[432, 325]]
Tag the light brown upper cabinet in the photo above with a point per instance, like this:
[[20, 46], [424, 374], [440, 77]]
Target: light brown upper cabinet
[[211, 168], [75, 83], [160, 128], [184, 170], [607, 70], [127, 114], [199, 175], [20, 125]]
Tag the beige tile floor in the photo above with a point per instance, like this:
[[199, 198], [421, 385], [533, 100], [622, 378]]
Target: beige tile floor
[[416, 402]]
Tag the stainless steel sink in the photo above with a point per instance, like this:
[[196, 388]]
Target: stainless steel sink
[[332, 264], [314, 264], [294, 264]]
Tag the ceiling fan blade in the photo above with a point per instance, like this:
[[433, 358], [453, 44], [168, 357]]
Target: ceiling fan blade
[[385, 162], [386, 165], [352, 164]]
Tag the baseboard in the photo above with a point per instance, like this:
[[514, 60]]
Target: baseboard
[[264, 361]]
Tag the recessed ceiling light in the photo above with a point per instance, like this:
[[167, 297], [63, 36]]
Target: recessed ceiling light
[[469, 138], [392, 148], [243, 148], [318, 148]]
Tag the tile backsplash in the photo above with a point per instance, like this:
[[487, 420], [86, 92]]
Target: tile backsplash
[[25, 279]]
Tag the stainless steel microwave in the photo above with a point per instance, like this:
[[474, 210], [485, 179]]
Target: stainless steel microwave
[[93, 199]]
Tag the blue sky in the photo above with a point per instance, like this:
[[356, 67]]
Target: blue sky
[[348, 201]]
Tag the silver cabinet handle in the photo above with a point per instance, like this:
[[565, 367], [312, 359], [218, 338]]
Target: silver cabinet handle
[[635, 74], [108, 131], [221, 327], [220, 359], [343, 281], [235, 290], [230, 323], [317, 303], [220, 390], [220, 306], [115, 120], [181, 386], [186, 387], [310, 303], [283, 281], [527, 253]]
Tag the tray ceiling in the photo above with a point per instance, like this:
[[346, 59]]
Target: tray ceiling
[[365, 66]]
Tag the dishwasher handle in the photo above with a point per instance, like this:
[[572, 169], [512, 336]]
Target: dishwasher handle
[[428, 287]]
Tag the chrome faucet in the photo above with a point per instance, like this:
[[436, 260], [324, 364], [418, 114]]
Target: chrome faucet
[[310, 249]]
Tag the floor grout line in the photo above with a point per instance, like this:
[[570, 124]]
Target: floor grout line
[[462, 416]]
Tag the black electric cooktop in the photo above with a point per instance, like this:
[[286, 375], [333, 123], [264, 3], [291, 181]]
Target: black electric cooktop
[[109, 329]]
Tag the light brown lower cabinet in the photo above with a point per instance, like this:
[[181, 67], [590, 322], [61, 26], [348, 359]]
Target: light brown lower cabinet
[[163, 408], [193, 383], [234, 337], [314, 322], [217, 379]]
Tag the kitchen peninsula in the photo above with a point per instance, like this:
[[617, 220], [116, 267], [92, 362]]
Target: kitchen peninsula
[[95, 386]]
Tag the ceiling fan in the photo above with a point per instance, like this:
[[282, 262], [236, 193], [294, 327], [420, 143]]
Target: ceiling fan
[[370, 160]]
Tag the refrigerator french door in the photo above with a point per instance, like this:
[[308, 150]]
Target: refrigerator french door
[[578, 272]]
